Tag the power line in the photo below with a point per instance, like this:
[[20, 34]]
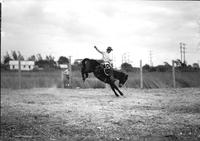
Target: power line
[[126, 58]]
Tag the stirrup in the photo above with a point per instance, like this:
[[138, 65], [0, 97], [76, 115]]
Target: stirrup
[[106, 72]]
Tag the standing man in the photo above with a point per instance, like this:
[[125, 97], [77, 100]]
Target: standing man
[[66, 78]]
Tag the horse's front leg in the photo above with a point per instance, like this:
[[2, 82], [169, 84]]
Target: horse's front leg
[[112, 85], [114, 90]]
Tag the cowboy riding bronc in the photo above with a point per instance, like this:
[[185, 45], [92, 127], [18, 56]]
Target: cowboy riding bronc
[[107, 65], [104, 71]]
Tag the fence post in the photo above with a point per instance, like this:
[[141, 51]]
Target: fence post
[[141, 75], [19, 73], [70, 72], [62, 79], [173, 74]]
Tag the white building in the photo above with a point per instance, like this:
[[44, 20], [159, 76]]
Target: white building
[[63, 66], [25, 65]]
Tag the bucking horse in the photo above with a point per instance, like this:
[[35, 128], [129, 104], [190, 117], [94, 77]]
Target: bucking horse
[[95, 67]]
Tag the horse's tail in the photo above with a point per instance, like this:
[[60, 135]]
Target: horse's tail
[[83, 69]]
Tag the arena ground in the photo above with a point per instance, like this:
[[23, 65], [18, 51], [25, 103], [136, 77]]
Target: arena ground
[[97, 114]]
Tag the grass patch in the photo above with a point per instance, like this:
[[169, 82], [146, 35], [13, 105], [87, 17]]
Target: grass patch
[[192, 108], [53, 79]]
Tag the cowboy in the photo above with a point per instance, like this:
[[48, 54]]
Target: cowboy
[[66, 78], [107, 62]]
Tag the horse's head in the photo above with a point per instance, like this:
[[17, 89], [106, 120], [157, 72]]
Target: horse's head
[[123, 79]]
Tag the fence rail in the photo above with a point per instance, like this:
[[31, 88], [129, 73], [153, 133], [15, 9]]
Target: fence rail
[[141, 79]]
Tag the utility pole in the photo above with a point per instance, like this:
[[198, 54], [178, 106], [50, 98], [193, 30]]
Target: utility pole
[[184, 53], [181, 51]]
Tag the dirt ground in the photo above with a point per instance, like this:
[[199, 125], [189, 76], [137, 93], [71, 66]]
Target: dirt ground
[[96, 114]]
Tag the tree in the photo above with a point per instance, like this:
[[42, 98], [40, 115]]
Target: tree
[[166, 64], [50, 58], [146, 67], [14, 55], [161, 68], [6, 58], [32, 58], [5, 62], [47, 64], [180, 64], [195, 65], [63, 60], [39, 57], [127, 67], [20, 56]]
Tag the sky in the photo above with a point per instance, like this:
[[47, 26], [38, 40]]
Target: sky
[[73, 27]]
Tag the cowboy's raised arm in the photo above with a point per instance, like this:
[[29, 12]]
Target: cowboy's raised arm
[[98, 50]]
